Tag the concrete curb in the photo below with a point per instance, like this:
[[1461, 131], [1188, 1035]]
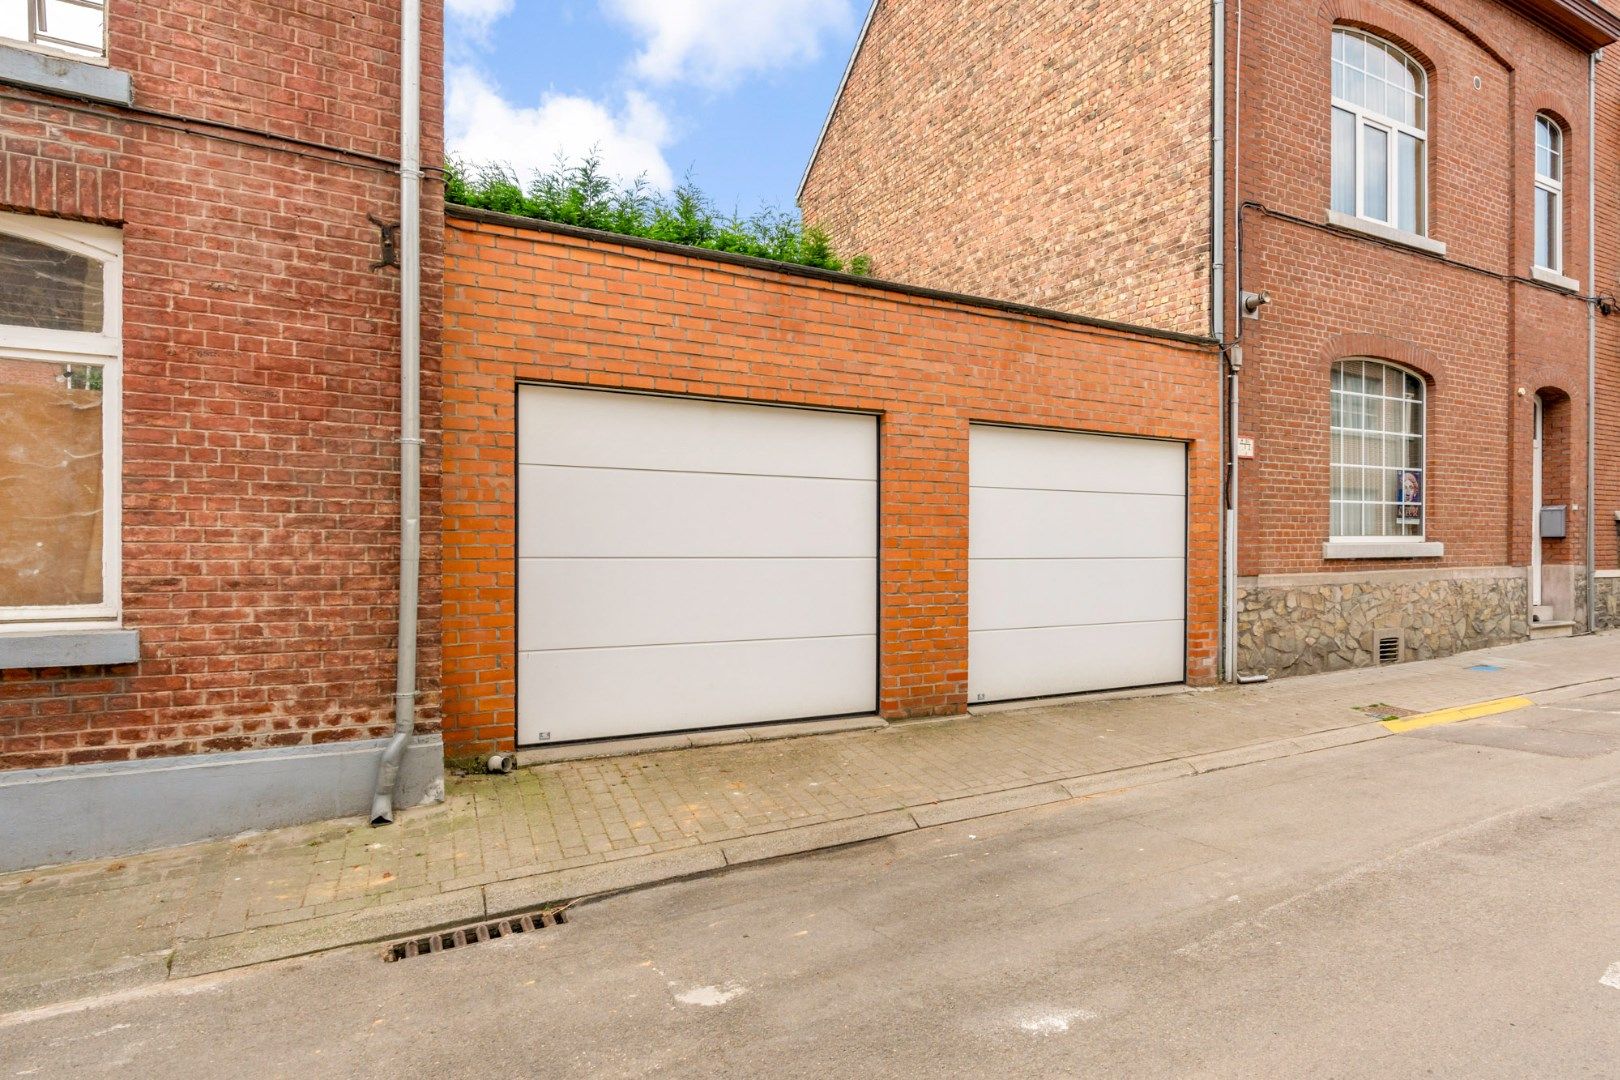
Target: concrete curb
[[393, 921]]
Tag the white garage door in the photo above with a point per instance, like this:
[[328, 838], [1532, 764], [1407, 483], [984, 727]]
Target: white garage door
[[1077, 563], [688, 564]]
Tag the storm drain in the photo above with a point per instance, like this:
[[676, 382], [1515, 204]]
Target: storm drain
[[463, 936]]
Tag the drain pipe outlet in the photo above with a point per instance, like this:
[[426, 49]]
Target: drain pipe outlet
[[410, 407]]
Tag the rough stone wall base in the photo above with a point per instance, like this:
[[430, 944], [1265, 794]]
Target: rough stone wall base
[[1306, 628], [1608, 602]]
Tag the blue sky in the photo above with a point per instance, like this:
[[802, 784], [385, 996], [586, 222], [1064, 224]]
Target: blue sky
[[733, 90]]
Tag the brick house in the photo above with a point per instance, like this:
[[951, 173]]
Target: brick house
[[200, 417], [1379, 207]]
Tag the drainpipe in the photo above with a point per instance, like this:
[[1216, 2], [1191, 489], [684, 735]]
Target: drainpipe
[[410, 406], [1591, 342], [1217, 329]]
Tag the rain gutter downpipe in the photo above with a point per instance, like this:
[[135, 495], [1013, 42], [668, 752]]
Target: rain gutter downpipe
[[410, 408], [1217, 330], [1591, 342]]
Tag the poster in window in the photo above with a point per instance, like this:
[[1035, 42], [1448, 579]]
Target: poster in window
[[1409, 497]]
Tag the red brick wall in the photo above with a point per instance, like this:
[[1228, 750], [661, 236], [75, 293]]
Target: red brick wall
[[1470, 323], [1608, 337], [1045, 151], [1009, 154], [261, 359], [524, 303]]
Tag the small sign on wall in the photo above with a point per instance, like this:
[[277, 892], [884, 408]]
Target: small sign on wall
[[1245, 448]]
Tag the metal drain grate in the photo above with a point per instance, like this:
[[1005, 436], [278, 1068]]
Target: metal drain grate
[[463, 936]]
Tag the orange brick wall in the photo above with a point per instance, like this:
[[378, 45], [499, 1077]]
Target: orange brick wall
[[527, 302], [1045, 151]]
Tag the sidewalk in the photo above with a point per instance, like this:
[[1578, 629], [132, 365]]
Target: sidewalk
[[570, 829]]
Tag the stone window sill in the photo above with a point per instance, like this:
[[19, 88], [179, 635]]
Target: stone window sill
[[1385, 232], [1556, 280], [54, 74], [68, 648], [1386, 549]]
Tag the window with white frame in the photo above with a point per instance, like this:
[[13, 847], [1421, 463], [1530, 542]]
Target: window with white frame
[[59, 421], [1380, 132], [1380, 484], [1549, 194], [75, 28]]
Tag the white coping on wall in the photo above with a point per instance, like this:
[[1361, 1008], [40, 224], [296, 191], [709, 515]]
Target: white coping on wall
[[1352, 223], [1555, 279], [1376, 577], [1392, 549]]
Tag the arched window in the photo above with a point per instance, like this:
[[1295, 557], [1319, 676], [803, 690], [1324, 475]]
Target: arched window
[[1380, 484], [1380, 132], [1549, 194], [59, 421]]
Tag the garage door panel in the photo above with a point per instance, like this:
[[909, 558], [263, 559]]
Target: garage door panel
[[1072, 660], [594, 603], [1077, 563], [560, 426], [599, 693], [691, 564], [611, 513], [1071, 461], [1011, 524], [1025, 593]]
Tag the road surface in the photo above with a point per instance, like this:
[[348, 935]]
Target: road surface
[[1443, 903]]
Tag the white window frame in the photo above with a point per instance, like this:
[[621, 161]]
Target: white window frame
[[1421, 537], [69, 50], [103, 350], [1365, 118], [1555, 189]]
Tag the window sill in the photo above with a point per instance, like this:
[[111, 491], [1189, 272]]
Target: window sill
[[24, 648], [1556, 280], [54, 74], [1383, 549], [1385, 232]]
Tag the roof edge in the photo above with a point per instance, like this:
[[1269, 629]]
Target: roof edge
[[1583, 22], [838, 96], [830, 277]]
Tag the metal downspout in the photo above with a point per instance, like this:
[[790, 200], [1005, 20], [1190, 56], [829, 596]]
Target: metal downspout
[[1591, 342], [1217, 327], [410, 407]]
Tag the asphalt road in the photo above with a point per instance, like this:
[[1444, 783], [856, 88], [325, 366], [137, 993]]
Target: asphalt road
[[1445, 903]]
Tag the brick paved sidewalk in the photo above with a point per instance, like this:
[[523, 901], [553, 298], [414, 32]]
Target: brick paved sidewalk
[[575, 828]]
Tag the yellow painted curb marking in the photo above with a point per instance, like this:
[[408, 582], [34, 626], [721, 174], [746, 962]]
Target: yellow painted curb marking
[[1462, 712]]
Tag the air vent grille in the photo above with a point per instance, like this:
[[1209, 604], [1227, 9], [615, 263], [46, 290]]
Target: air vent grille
[[1389, 649]]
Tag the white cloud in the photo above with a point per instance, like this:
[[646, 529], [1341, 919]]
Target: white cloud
[[716, 42], [476, 16], [483, 127]]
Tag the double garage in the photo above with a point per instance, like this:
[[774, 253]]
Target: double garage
[[686, 563]]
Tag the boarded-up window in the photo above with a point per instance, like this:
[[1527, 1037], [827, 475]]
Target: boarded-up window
[[48, 288], [50, 483]]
